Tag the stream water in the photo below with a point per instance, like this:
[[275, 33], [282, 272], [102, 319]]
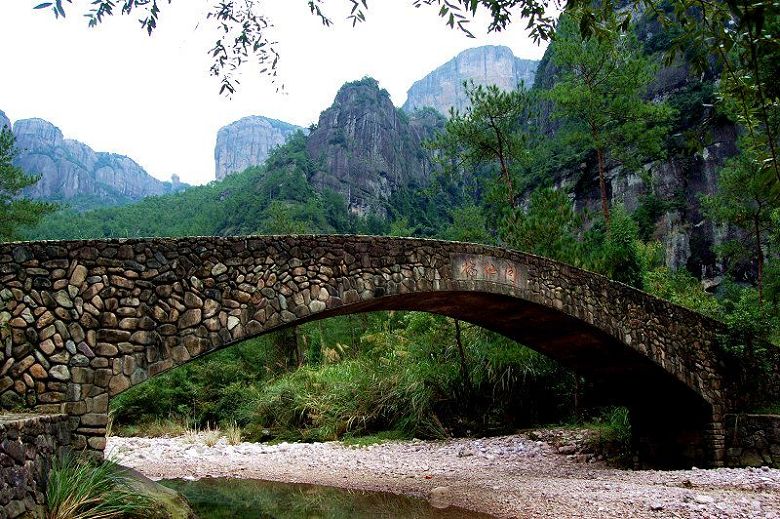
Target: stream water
[[253, 499]]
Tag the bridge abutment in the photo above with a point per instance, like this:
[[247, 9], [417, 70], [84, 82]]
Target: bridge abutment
[[669, 445], [715, 442]]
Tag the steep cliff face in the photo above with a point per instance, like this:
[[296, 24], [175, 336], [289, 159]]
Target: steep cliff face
[[678, 183], [699, 144], [247, 142], [368, 149], [488, 65], [72, 172], [5, 122]]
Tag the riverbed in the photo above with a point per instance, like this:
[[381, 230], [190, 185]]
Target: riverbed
[[230, 498], [508, 476]]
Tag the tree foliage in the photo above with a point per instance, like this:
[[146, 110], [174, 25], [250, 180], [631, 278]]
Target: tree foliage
[[494, 130], [599, 98], [468, 225], [549, 227], [743, 202], [243, 27], [615, 253], [16, 212]]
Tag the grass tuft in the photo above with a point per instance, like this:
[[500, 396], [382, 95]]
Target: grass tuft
[[233, 433], [78, 489], [612, 434], [211, 436], [191, 435]]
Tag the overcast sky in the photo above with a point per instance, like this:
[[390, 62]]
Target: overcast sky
[[152, 99]]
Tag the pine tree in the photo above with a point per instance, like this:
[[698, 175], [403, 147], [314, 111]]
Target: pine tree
[[15, 211], [492, 131], [599, 100], [744, 201]]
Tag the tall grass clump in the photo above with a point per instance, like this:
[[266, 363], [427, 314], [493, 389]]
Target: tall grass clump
[[613, 437], [407, 377], [319, 404], [78, 489], [211, 436], [233, 433]]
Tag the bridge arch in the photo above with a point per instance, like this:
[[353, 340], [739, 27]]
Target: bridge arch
[[86, 320]]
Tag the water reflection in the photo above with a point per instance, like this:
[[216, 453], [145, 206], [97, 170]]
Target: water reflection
[[253, 499]]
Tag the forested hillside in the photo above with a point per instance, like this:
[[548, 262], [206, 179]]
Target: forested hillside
[[277, 197]]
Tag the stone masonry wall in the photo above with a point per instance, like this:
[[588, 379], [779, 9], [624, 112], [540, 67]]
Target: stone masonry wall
[[753, 440], [28, 444], [82, 321]]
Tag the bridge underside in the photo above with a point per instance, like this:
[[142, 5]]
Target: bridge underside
[[669, 421]]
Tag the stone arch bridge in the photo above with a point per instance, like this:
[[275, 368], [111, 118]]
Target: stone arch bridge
[[82, 321]]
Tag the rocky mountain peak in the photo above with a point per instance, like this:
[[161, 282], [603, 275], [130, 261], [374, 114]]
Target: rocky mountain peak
[[443, 89], [33, 134], [366, 90], [247, 142], [367, 147]]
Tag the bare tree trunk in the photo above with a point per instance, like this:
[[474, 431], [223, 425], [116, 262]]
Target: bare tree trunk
[[299, 349], [508, 181], [576, 396], [504, 168], [295, 347], [603, 185], [352, 341], [464, 370], [760, 254]]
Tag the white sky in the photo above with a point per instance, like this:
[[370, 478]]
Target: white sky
[[152, 99]]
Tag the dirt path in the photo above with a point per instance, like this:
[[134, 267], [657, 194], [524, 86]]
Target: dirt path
[[509, 476]]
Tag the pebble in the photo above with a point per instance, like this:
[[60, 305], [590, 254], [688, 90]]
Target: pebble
[[440, 497]]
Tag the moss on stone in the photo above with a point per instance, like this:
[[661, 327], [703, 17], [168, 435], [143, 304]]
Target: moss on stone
[[169, 504]]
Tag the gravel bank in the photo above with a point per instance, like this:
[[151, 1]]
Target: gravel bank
[[508, 476]]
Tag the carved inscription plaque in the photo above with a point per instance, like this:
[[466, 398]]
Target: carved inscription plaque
[[486, 268]]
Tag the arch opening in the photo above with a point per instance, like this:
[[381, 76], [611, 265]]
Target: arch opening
[[668, 417], [400, 371]]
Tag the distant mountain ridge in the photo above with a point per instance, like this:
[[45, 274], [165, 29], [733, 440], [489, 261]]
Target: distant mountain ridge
[[443, 89], [247, 142], [72, 172]]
